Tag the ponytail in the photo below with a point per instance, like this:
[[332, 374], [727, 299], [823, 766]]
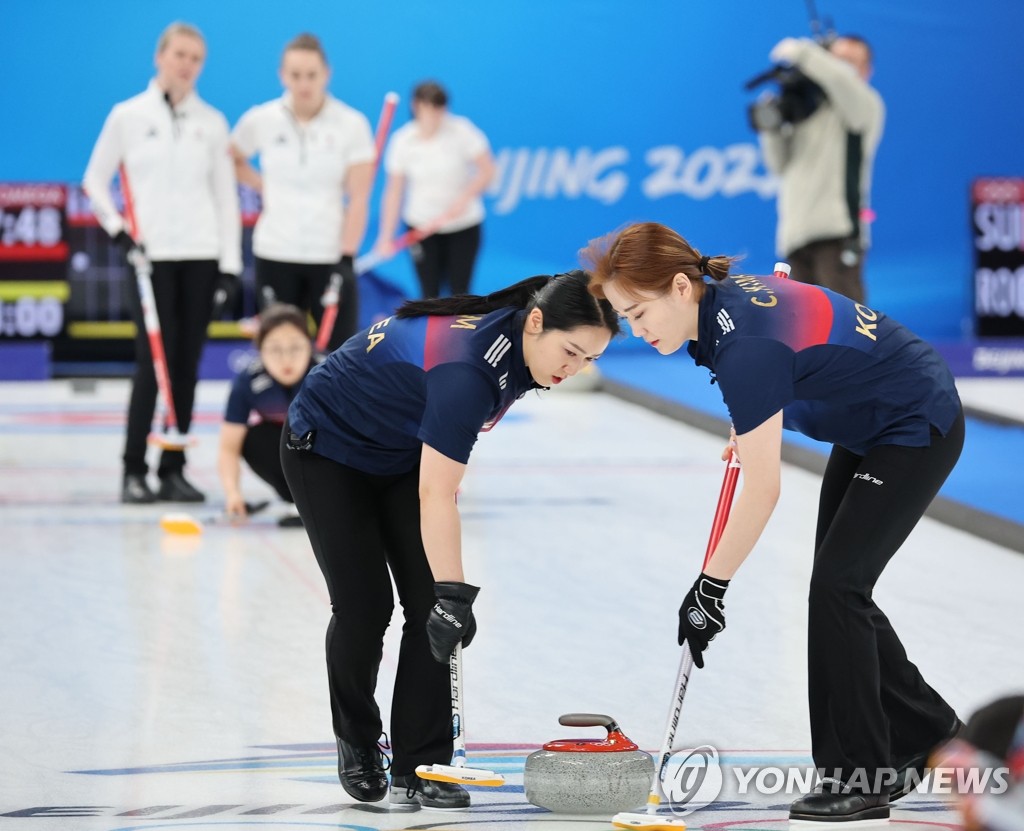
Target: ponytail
[[519, 295], [564, 300]]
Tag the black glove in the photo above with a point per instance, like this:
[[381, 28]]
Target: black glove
[[702, 615], [451, 620], [123, 240], [346, 267], [225, 292]]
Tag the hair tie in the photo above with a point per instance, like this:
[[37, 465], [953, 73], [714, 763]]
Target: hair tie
[[704, 264]]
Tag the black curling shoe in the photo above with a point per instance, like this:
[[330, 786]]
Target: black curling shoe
[[911, 771], [174, 487], [428, 793], [825, 806], [135, 491], [361, 771]]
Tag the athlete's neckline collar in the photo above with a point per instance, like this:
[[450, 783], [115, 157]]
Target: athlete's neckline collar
[[523, 378], [702, 349]]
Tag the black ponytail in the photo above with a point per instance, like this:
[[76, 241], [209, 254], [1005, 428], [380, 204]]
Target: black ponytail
[[563, 298], [518, 295]]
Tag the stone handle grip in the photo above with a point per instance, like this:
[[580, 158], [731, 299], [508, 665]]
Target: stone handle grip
[[588, 720]]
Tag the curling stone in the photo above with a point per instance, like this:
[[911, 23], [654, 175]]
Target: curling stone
[[589, 776]]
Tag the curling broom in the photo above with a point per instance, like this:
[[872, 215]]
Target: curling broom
[[650, 821], [457, 771], [332, 296], [171, 438]]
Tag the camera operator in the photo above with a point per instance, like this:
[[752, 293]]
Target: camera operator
[[819, 136]]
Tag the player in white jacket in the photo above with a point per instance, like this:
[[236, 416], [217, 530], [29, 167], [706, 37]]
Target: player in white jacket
[[316, 157], [438, 166], [173, 147]]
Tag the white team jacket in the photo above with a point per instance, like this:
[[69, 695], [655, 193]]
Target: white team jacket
[[304, 168], [181, 177]]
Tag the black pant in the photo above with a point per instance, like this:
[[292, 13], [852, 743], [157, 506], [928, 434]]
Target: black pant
[[262, 452], [869, 705], [303, 285], [360, 525], [447, 258], [836, 264], [184, 301]]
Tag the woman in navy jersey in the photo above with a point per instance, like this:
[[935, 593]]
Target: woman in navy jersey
[[375, 447], [258, 405], [789, 355]]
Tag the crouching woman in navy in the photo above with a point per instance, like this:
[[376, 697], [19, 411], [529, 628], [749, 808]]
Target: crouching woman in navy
[[258, 405], [375, 447]]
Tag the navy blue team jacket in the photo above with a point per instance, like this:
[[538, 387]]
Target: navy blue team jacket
[[255, 397], [404, 382], [839, 371]]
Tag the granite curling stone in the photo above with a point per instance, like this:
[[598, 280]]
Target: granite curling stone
[[589, 776]]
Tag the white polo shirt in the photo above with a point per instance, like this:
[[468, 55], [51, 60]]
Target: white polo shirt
[[303, 168], [181, 177], [437, 170]]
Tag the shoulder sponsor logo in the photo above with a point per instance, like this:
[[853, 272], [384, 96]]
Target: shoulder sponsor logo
[[497, 350], [261, 382], [503, 380], [725, 321]]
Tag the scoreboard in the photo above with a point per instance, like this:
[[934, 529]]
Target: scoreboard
[[997, 210], [33, 257], [63, 280]]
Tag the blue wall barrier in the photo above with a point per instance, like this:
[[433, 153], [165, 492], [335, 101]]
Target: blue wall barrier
[[600, 112]]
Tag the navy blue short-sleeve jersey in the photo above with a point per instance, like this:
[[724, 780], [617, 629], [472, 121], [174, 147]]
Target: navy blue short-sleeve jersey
[[403, 382], [839, 371], [255, 397]]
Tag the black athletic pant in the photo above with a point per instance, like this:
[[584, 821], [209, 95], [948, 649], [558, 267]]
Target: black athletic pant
[[447, 259], [262, 452], [360, 526], [836, 264], [869, 705], [184, 302], [302, 285]]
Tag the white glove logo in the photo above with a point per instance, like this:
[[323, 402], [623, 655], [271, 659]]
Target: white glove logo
[[696, 618]]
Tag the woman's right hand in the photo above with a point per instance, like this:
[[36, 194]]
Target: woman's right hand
[[731, 447], [234, 506]]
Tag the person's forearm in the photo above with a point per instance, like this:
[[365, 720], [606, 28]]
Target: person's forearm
[[848, 93], [485, 170], [441, 530], [248, 175], [103, 164], [775, 150], [478, 184], [746, 523], [390, 210], [356, 215], [230, 470], [229, 211]]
